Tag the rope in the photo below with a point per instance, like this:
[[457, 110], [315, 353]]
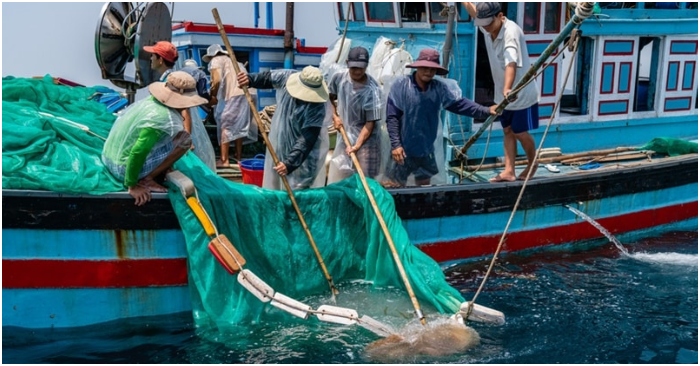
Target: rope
[[522, 190]]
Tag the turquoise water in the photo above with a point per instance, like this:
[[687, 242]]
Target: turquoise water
[[595, 306]]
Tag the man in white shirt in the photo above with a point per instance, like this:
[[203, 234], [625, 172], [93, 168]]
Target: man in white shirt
[[507, 50]]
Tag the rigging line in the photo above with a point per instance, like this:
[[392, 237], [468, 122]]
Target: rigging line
[[483, 157], [345, 32], [527, 179]]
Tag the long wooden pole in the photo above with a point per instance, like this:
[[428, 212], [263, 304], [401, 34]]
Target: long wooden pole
[[261, 127], [380, 218]]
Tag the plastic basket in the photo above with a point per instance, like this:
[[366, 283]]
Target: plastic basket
[[252, 170]]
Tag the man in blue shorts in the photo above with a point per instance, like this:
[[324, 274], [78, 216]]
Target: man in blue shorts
[[413, 116], [508, 57]]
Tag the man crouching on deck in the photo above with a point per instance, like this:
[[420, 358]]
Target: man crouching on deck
[[149, 138]]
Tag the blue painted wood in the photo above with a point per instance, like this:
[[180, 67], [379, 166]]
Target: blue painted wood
[[452, 228], [92, 244], [46, 308]]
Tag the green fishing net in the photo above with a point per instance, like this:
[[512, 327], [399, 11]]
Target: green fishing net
[[671, 146], [52, 138], [264, 227]]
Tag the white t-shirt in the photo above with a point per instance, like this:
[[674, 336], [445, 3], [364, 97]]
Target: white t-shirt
[[509, 46]]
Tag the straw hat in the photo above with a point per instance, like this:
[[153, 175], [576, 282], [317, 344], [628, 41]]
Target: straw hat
[[179, 91], [308, 85], [212, 51]]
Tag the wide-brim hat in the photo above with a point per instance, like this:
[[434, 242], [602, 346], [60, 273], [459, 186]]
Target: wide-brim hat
[[212, 51], [429, 58], [179, 91], [308, 85]]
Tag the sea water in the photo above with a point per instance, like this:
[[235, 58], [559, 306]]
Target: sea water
[[592, 306]]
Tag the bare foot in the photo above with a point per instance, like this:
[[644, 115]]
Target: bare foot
[[390, 184], [222, 164], [501, 178], [152, 186], [523, 175]]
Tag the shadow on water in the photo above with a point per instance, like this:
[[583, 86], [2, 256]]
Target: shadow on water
[[592, 306]]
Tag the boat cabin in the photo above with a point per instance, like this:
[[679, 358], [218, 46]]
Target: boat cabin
[[257, 48], [635, 66]]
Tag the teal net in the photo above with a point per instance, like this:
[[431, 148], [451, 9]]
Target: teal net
[[265, 229], [52, 138], [671, 146]]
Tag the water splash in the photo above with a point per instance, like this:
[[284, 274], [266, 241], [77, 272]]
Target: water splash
[[678, 259], [657, 258], [600, 227]]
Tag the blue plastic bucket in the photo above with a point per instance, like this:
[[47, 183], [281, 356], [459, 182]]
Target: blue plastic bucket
[[252, 170]]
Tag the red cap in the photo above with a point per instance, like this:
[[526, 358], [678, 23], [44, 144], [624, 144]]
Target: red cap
[[164, 49]]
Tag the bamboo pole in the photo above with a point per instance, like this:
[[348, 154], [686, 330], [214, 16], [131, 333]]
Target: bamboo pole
[[275, 159], [387, 235]]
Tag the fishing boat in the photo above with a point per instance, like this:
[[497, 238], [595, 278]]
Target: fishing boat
[[72, 260]]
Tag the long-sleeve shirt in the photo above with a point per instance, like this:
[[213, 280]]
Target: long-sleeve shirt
[[412, 114]]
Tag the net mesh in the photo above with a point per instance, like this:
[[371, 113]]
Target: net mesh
[[265, 229], [671, 146], [52, 138]]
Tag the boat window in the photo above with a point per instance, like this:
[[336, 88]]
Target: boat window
[[531, 18], [204, 65], [439, 12], [552, 17], [414, 12], [574, 101], [536, 21], [357, 13], [647, 70], [381, 13]]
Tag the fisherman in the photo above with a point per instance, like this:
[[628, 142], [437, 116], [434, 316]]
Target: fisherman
[[413, 116], [149, 138], [358, 110], [192, 119], [509, 60], [163, 58], [231, 110], [199, 76], [295, 132]]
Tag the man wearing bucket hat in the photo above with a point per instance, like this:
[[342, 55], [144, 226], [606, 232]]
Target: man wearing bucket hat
[[231, 111], [149, 138], [509, 60], [295, 132], [163, 57], [359, 111], [413, 119]]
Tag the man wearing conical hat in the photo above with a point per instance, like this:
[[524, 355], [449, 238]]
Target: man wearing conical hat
[[295, 131], [149, 138]]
